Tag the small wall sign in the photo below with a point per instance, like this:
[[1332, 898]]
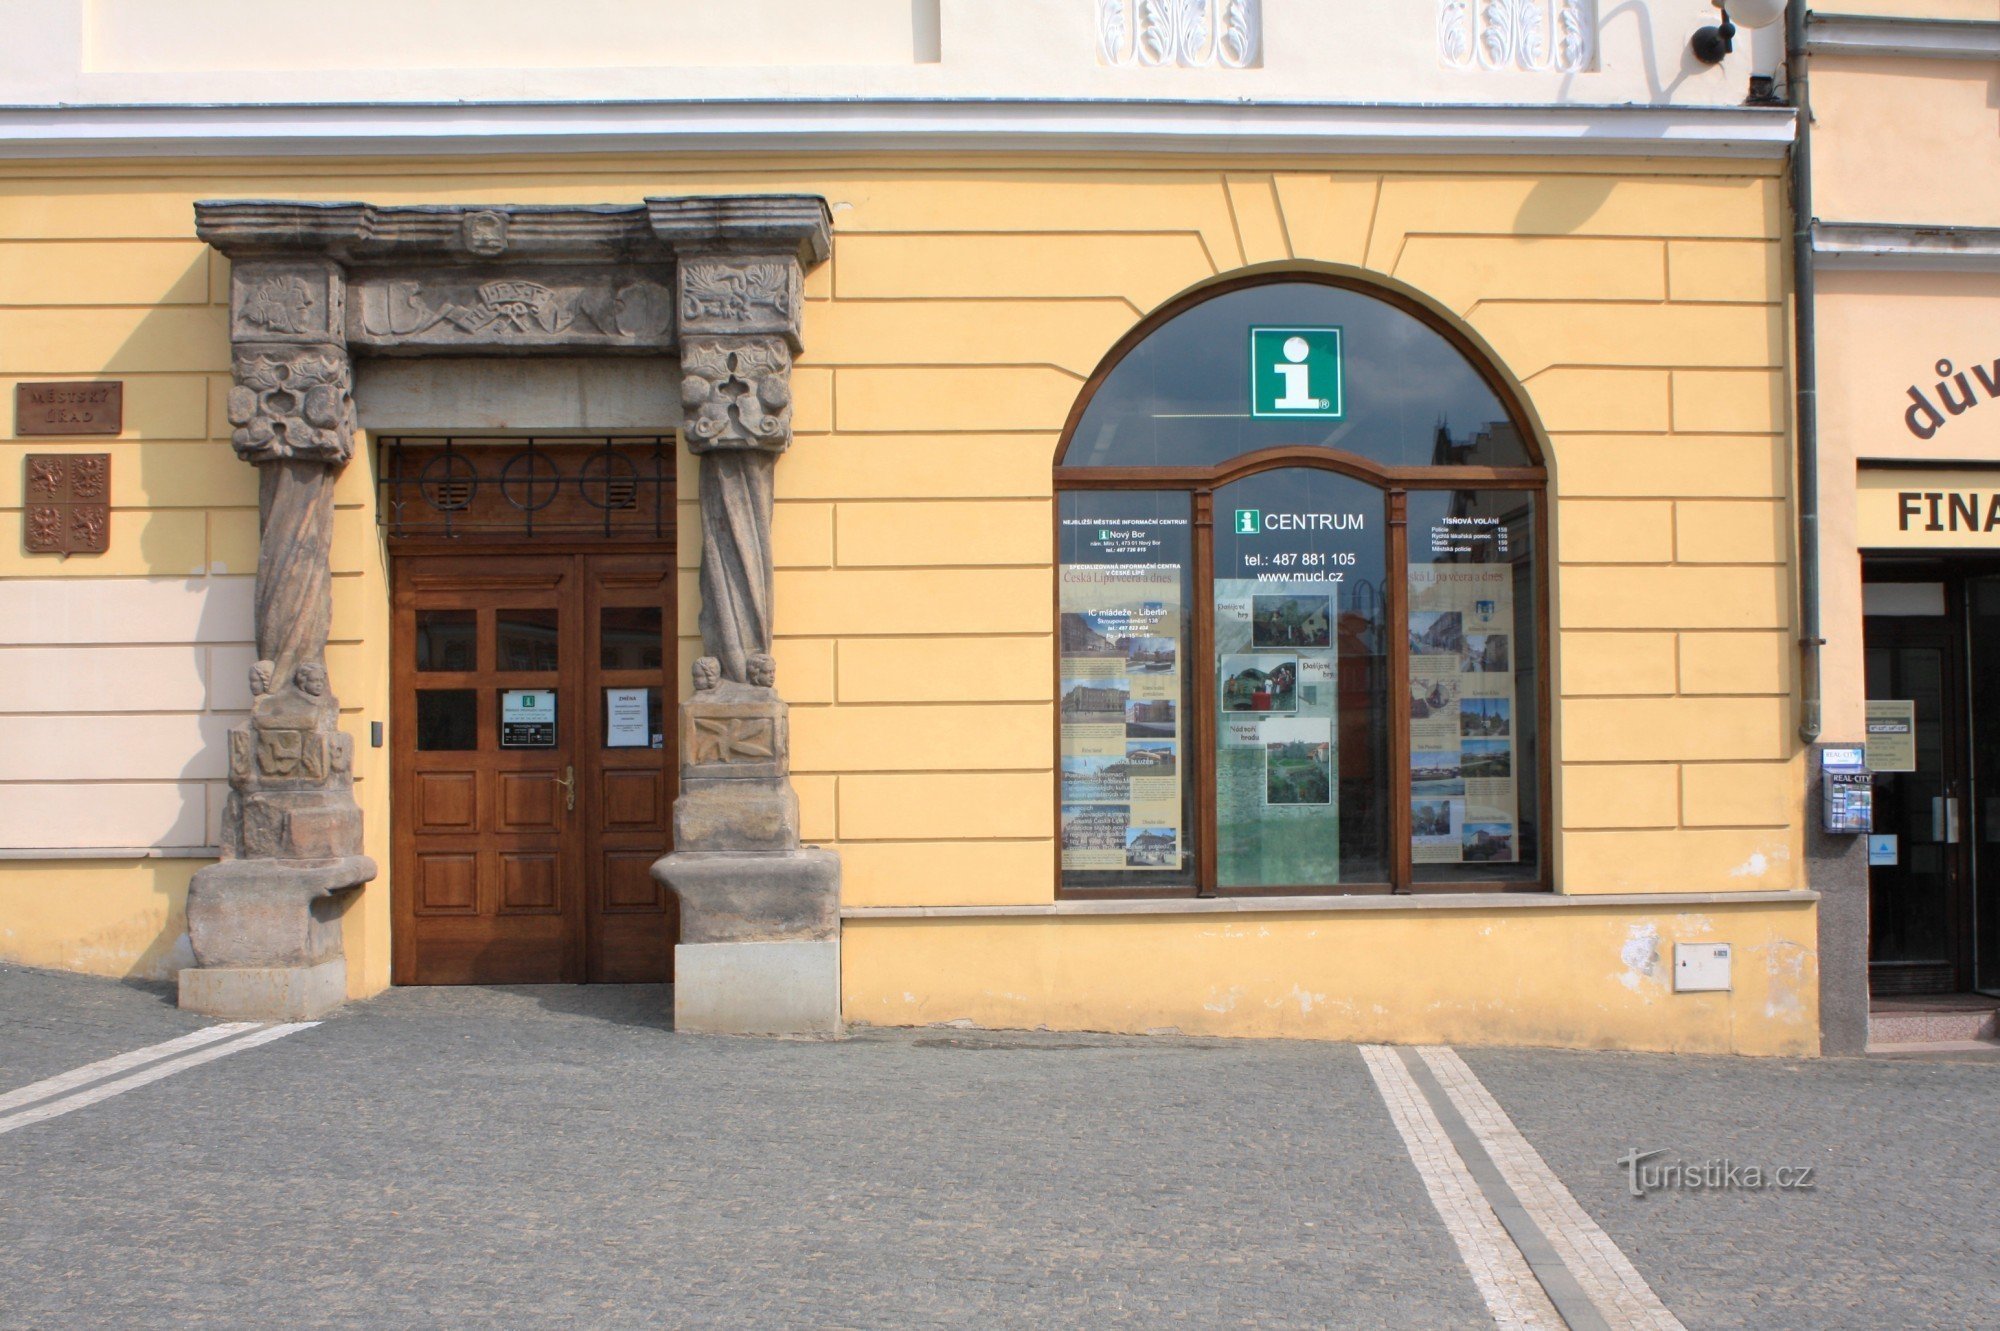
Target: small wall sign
[[83, 407], [626, 719], [67, 503], [528, 719], [1296, 372]]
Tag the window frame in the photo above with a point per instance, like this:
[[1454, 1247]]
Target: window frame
[[1395, 485]]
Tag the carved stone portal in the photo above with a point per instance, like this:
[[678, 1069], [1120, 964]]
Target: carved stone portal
[[721, 278]]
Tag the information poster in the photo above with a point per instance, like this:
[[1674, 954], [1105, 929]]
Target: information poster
[[627, 719], [1277, 769], [1120, 697], [527, 719], [1892, 735], [1464, 770]]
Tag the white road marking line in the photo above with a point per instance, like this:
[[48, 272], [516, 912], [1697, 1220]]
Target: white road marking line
[[1501, 1274], [108, 1067], [105, 1090], [1608, 1278]]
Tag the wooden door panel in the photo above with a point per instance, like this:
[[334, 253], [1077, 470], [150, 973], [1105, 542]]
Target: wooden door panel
[[499, 874], [447, 882], [446, 802], [633, 800], [529, 883], [530, 801]]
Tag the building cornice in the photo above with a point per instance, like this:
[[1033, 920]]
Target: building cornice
[[1924, 38], [1888, 245], [979, 126]]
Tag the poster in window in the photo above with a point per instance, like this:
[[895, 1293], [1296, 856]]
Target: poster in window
[[1119, 706], [1277, 761], [1464, 792]]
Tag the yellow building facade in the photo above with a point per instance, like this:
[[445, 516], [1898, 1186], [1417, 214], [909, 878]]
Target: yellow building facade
[[1631, 300]]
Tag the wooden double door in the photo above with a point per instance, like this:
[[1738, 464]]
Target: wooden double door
[[533, 767]]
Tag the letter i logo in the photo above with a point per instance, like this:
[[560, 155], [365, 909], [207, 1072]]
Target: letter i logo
[[1249, 521], [1296, 372]]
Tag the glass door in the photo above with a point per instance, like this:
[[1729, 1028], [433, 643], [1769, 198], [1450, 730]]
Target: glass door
[[1918, 872], [1982, 608]]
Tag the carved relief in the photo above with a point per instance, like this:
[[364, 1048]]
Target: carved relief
[[1190, 34], [731, 739], [721, 295], [68, 503], [737, 393], [285, 301], [485, 233], [1536, 36], [293, 405], [549, 309]]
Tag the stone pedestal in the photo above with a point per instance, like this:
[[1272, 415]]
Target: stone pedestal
[[760, 948], [760, 914]]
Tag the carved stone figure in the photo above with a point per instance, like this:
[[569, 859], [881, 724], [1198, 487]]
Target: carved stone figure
[[763, 670], [737, 393], [707, 673]]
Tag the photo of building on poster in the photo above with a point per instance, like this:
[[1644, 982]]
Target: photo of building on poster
[[1464, 799], [1118, 701], [1277, 758]]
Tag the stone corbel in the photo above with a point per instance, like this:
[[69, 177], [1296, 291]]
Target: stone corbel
[[264, 922]]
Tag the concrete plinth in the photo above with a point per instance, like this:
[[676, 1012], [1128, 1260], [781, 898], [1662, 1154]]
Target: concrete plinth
[[780, 988], [265, 993]]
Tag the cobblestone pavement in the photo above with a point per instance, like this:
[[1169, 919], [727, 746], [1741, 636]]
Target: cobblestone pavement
[[555, 1157]]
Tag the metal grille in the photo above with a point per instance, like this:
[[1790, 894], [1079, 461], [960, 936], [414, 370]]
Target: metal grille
[[463, 487]]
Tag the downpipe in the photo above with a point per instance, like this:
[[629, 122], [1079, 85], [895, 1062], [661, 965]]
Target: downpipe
[[1805, 416]]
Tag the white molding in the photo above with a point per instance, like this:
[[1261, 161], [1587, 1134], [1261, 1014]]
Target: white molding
[[1194, 127], [110, 853], [1887, 246], [1440, 901], [1925, 38], [1185, 34]]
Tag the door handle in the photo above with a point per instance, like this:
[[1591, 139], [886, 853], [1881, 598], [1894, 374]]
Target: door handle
[[1944, 819], [568, 782]]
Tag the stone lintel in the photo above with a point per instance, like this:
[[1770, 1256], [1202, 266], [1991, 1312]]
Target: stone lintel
[[794, 226]]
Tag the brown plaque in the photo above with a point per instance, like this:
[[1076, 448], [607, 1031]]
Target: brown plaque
[[68, 503], [84, 407]]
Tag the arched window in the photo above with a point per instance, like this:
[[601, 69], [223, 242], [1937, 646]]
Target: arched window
[[1302, 642]]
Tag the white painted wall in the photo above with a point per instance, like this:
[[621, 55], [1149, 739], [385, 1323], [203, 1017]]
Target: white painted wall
[[116, 695], [107, 52]]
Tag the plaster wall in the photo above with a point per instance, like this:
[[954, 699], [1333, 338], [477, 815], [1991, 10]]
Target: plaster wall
[[965, 304], [1905, 140], [124, 52]]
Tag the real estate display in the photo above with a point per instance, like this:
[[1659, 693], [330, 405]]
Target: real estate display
[[1464, 801], [1119, 706]]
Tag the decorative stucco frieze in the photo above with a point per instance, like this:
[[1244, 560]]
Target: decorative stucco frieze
[[1536, 36], [1190, 34]]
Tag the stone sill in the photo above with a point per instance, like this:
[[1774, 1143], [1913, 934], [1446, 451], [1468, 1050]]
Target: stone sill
[[111, 853], [1434, 901]]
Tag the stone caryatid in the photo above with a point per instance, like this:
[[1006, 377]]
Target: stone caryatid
[[264, 921]]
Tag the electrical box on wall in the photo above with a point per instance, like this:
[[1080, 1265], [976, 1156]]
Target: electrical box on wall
[[1701, 967]]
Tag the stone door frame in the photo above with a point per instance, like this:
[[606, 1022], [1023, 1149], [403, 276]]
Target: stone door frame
[[717, 281]]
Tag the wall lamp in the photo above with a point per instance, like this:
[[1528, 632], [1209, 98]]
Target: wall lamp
[[1711, 44]]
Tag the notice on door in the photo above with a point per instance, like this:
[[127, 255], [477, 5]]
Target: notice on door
[[1892, 735], [527, 719], [625, 719]]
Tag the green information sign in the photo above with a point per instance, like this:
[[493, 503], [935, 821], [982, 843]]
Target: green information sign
[[1296, 372]]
